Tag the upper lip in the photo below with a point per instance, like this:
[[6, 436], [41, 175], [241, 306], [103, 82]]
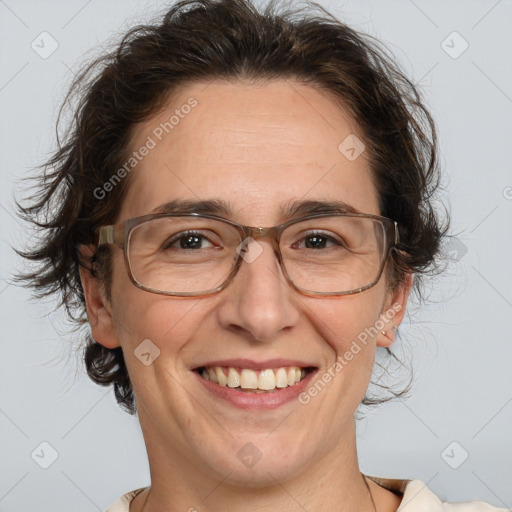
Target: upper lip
[[251, 364]]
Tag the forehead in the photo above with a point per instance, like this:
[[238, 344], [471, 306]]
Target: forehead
[[255, 147]]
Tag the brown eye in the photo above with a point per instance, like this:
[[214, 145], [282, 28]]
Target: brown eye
[[188, 241], [317, 241]]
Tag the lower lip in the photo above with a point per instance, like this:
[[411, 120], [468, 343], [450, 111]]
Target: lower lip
[[258, 401]]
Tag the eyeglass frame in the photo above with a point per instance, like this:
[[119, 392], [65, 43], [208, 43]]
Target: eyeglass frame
[[119, 235]]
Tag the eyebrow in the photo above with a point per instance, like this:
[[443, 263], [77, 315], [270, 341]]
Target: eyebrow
[[293, 209]]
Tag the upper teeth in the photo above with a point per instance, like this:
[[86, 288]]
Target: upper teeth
[[249, 379]]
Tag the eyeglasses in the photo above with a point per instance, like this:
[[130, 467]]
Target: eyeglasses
[[192, 254]]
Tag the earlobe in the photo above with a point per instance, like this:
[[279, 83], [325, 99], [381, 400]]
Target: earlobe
[[99, 311], [393, 312]]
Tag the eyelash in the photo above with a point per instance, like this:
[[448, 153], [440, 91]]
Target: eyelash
[[184, 234]]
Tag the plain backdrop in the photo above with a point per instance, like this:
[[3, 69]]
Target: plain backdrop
[[454, 432]]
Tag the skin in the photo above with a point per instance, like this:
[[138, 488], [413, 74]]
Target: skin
[[264, 145]]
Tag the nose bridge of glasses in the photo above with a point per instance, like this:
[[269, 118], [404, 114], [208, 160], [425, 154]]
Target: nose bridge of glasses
[[261, 233], [251, 249]]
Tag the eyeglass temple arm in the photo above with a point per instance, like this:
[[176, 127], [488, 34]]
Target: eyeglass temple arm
[[113, 234], [106, 235], [397, 235]]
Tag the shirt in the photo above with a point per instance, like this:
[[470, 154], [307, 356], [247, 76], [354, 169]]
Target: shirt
[[416, 497]]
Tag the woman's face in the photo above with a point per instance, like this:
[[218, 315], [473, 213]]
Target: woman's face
[[257, 148]]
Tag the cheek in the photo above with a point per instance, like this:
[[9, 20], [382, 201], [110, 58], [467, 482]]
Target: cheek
[[154, 332], [345, 319], [141, 315], [347, 325], [166, 321]]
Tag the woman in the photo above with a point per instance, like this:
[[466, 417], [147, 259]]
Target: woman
[[244, 206]]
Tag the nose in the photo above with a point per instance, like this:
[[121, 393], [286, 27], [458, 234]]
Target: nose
[[259, 302]]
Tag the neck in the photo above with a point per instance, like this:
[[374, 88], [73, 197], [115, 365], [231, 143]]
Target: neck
[[332, 482]]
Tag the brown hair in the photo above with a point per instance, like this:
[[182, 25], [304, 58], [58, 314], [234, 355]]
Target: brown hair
[[231, 40]]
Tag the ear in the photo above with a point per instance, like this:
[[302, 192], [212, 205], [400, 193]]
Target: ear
[[393, 312], [99, 309]]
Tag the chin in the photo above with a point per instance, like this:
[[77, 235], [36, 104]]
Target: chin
[[259, 463]]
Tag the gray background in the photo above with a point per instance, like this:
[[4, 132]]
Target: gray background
[[460, 343]]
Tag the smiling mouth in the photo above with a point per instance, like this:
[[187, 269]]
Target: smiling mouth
[[250, 381]]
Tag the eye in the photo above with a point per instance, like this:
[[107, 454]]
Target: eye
[[188, 240], [317, 241]]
